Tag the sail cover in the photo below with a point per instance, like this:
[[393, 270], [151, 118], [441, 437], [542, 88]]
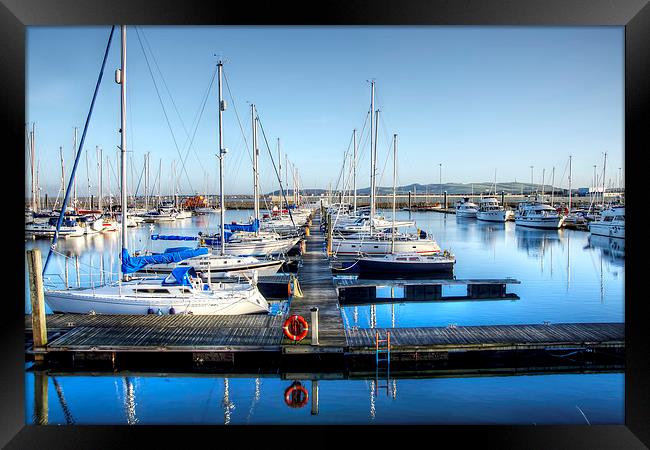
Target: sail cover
[[132, 264], [171, 237], [253, 226]]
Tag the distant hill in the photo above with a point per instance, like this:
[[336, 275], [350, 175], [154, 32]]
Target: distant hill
[[451, 188]]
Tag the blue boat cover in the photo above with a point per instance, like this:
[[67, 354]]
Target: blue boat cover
[[132, 264], [177, 249], [253, 226], [180, 277], [171, 237]]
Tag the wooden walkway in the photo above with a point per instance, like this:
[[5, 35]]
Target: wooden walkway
[[318, 290], [175, 333], [492, 337]]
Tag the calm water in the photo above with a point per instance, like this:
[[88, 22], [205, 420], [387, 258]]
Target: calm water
[[565, 275], [170, 399]]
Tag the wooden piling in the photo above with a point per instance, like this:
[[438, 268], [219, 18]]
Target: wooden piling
[[37, 297], [329, 235]]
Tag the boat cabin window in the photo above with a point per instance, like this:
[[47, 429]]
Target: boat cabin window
[[620, 218], [401, 259], [608, 218], [414, 259], [151, 291]]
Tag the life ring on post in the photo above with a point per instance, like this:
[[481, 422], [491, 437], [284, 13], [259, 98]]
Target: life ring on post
[[295, 328], [296, 396]]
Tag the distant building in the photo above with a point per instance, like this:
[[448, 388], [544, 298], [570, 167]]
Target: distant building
[[583, 192]]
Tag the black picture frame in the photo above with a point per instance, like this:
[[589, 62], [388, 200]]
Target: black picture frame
[[15, 15]]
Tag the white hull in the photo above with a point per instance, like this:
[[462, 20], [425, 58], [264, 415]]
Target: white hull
[[600, 229], [108, 300], [466, 213], [494, 216], [382, 247], [550, 223]]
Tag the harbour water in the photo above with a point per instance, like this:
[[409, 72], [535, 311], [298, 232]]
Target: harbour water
[[566, 276]]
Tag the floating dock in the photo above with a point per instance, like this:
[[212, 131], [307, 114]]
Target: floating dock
[[198, 341]]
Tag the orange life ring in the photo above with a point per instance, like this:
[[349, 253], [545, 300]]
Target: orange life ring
[[295, 328], [296, 396]]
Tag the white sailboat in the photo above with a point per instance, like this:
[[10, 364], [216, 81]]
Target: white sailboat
[[218, 265], [182, 291], [375, 242], [403, 263]]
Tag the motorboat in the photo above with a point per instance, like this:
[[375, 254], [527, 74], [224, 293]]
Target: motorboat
[[611, 223], [465, 208], [490, 210], [537, 214]]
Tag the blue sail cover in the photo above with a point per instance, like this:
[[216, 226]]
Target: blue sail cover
[[253, 226], [132, 264], [180, 277], [171, 237]]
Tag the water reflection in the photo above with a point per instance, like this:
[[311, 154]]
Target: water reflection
[[612, 249], [185, 398], [536, 242]]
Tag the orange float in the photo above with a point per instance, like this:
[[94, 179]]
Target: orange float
[[295, 328]]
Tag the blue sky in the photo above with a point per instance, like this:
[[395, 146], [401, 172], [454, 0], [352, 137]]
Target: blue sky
[[476, 99]]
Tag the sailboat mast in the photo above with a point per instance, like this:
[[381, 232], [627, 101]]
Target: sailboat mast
[[280, 176], [222, 154], [62, 174], [374, 197], [372, 153], [569, 183], [392, 235], [99, 178], [354, 168], [122, 78], [74, 157], [256, 152], [604, 165], [33, 157], [553, 186]]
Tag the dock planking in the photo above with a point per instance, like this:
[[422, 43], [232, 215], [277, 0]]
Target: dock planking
[[490, 337], [112, 333], [318, 291]]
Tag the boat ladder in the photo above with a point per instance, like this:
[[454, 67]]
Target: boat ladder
[[382, 362]]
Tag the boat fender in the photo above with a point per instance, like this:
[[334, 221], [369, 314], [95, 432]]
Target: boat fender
[[172, 310], [295, 328], [150, 311], [423, 234], [159, 312], [296, 396]]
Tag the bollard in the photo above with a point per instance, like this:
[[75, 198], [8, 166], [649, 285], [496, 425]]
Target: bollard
[[37, 297], [445, 200], [314, 326], [329, 235]]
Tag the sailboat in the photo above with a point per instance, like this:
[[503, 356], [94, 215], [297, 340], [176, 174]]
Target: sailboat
[[220, 264], [247, 239], [375, 242], [181, 292], [402, 263]]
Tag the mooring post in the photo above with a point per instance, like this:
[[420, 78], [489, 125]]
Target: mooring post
[[409, 200], [314, 325], [503, 196], [76, 263], [37, 297], [314, 397], [329, 235], [445, 200]]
